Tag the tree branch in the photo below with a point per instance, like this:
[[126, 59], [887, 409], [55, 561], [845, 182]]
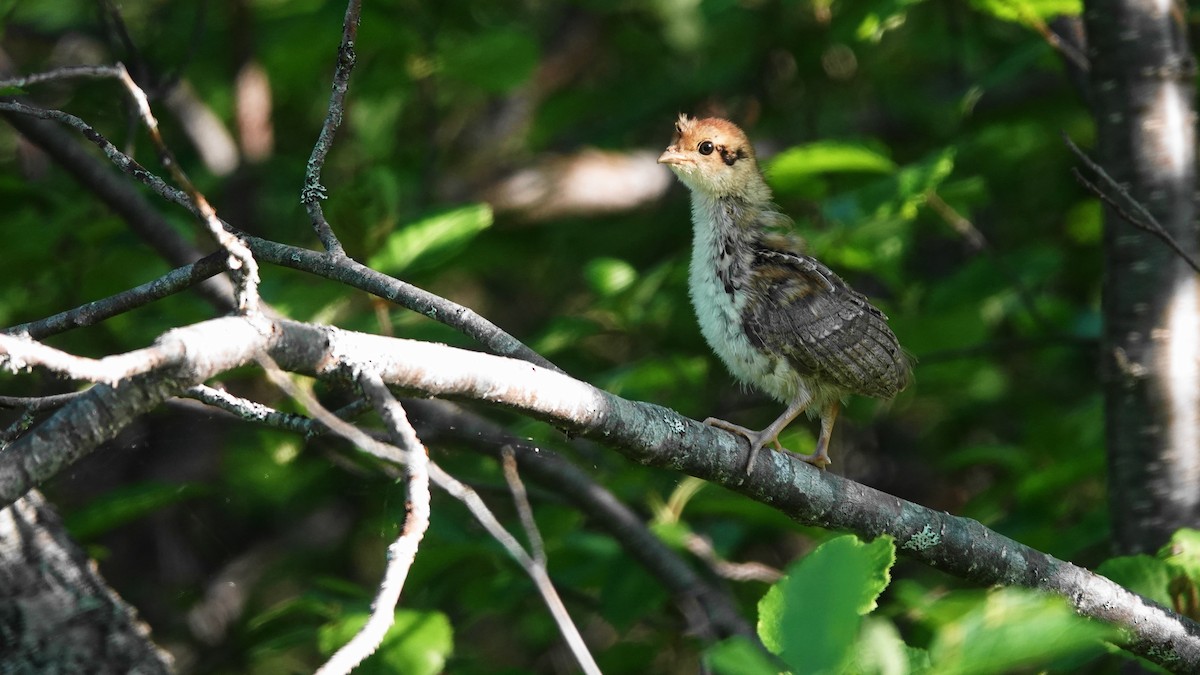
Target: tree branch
[[313, 192], [403, 551], [644, 432], [116, 193], [94, 312], [328, 265], [59, 613], [1124, 202], [710, 612]]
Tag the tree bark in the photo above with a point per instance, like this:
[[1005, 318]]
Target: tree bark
[[57, 615], [1142, 92]]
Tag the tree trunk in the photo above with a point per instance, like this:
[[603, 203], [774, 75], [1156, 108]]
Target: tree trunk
[[56, 613], [1142, 92]]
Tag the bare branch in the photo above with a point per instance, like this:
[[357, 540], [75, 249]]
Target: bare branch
[[119, 195], [702, 548], [1124, 203], [521, 500], [403, 551], [541, 579], [36, 403], [249, 411], [185, 356], [19, 426], [122, 161], [64, 73], [94, 312], [355, 274], [328, 265], [241, 259], [313, 191], [1069, 50], [350, 363], [644, 432], [710, 612]]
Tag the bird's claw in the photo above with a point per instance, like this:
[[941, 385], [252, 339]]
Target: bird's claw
[[758, 439]]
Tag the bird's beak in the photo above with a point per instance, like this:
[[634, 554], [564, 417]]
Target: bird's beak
[[672, 156]]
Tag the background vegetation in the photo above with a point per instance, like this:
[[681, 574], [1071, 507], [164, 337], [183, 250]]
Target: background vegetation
[[501, 154]]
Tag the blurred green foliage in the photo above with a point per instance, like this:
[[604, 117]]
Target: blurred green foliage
[[980, 632], [897, 133]]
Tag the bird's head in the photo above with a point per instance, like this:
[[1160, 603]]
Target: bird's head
[[712, 156]]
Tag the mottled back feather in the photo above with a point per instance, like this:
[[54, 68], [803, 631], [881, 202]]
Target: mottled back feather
[[799, 309]]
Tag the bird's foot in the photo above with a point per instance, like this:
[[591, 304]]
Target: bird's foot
[[758, 439], [820, 456], [819, 459]]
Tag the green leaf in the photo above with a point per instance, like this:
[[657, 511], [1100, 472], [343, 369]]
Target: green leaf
[[794, 169], [496, 61], [896, 197], [418, 643], [1011, 628], [881, 650], [738, 656], [885, 16], [811, 617], [1141, 574], [1028, 12], [431, 240], [127, 504]]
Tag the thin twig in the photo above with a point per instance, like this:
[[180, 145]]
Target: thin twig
[[537, 547], [123, 197], [249, 411], [241, 260], [709, 610], [328, 265], [96, 311], [702, 548], [956, 220], [455, 489], [38, 403], [64, 73], [403, 551], [313, 192], [1124, 203], [1067, 49], [537, 572]]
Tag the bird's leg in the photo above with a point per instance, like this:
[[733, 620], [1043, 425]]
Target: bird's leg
[[769, 435], [820, 456]]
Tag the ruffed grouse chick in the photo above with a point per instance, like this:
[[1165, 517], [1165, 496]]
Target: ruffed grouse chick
[[779, 319]]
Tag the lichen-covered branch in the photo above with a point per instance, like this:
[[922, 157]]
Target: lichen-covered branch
[[647, 433]]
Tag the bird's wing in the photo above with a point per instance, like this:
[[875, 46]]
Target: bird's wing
[[800, 309]]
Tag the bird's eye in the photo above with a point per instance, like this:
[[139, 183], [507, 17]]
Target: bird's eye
[[705, 147]]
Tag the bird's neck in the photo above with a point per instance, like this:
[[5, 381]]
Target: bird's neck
[[727, 221], [723, 232]]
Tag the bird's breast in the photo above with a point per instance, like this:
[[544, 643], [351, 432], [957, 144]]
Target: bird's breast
[[719, 293]]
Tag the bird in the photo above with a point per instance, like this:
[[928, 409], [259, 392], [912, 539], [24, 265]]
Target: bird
[[780, 320]]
